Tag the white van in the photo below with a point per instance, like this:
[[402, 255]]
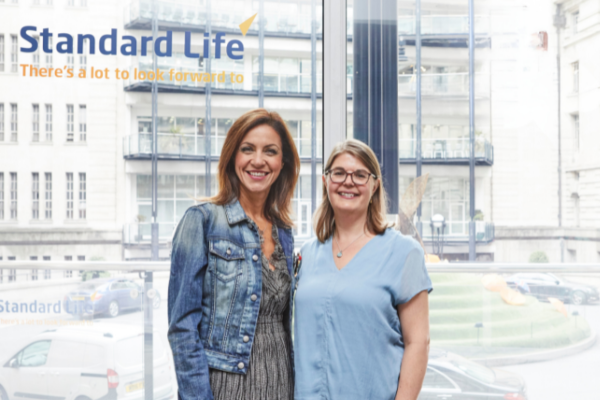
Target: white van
[[100, 362]]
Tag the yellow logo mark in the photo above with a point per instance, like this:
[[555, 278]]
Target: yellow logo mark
[[244, 26]]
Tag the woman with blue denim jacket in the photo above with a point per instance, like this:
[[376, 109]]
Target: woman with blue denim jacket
[[231, 284], [361, 319]]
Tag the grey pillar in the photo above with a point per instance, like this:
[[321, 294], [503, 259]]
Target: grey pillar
[[208, 116], [419, 148], [261, 53], [313, 99], [472, 249], [376, 86]]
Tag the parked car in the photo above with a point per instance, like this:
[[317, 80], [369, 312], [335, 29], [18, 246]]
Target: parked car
[[102, 361], [107, 296], [450, 376], [544, 285]]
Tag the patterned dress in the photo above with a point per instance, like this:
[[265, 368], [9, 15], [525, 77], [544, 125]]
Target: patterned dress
[[270, 375]]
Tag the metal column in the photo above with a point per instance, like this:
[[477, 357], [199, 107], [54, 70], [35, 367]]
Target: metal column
[[419, 148], [472, 249], [313, 100], [208, 100], [148, 324], [261, 53], [376, 86]]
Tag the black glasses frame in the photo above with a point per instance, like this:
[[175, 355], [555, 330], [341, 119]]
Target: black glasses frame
[[328, 172]]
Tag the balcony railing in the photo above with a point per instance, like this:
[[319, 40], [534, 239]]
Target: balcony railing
[[174, 145], [443, 24], [141, 233], [481, 316], [450, 149], [449, 84], [457, 232], [224, 15], [287, 83]]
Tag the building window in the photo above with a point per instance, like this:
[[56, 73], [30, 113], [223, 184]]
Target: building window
[[575, 67], [48, 196], [1, 53], [82, 123], [80, 258], [1, 122], [13, 195], [70, 61], [83, 56], [70, 123], [14, 122], [575, 118], [71, 3], [48, 122], [47, 272], [14, 53], [35, 57], [34, 272], [35, 123], [69, 195], [1, 196], [83, 3], [35, 195], [82, 196], [575, 21], [49, 55], [68, 273]]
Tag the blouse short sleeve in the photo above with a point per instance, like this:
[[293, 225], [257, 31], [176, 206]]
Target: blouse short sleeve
[[412, 279]]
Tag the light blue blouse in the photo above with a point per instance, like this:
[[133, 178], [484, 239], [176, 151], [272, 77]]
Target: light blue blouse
[[348, 339]]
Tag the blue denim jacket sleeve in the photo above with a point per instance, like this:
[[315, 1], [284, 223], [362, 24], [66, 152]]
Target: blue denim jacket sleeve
[[188, 267]]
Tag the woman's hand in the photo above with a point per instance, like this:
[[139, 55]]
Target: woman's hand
[[414, 319]]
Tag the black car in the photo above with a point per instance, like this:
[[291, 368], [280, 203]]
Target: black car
[[544, 285], [450, 376]]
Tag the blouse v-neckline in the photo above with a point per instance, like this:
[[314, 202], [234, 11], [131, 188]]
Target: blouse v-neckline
[[352, 259]]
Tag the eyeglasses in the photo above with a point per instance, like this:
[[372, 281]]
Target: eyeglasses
[[359, 177]]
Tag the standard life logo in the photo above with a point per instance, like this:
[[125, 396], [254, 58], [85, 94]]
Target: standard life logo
[[128, 45]]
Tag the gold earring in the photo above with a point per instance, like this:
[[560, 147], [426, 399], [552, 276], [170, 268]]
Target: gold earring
[[371, 202]]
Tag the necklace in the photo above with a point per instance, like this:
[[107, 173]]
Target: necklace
[[339, 254]]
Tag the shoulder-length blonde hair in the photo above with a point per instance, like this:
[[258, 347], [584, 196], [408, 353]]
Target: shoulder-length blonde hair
[[278, 205], [324, 221]]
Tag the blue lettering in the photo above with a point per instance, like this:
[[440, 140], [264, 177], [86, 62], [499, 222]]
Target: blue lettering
[[46, 35], [15, 308], [132, 46], [33, 307], [239, 46], [66, 46], [56, 307], [42, 308], [169, 43], [1, 306], [92, 41], [217, 41], [145, 40], [206, 45], [188, 45], [24, 35], [113, 43]]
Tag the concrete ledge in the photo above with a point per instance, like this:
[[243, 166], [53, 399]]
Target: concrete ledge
[[538, 356]]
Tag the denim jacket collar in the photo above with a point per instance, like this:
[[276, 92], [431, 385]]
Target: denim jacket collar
[[235, 213]]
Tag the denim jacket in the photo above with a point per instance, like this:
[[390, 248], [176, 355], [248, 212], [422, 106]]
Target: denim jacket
[[214, 294]]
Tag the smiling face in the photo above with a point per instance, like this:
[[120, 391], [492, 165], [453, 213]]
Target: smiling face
[[347, 197], [258, 161]]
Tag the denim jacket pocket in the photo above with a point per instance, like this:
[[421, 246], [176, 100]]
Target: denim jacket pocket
[[226, 258]]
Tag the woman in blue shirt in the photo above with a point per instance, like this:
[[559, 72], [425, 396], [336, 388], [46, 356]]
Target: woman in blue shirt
[[231, 284], [361, 314]]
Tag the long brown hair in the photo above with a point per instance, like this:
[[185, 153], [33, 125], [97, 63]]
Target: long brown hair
[[277, 207], [324, 221]]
